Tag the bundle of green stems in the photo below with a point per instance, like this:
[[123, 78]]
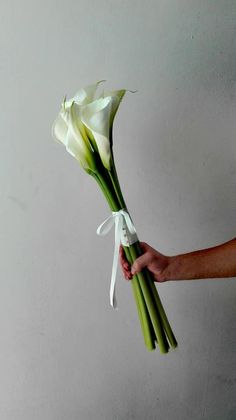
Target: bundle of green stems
[[153, 320]]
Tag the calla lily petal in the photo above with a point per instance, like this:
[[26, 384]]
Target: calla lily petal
[[87, 94], [96, 117], [59, 129], [66, 129], [117, 96], [104, 149], [74, 148]]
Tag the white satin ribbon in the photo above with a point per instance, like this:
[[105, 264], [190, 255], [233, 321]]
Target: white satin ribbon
[[125, 233]]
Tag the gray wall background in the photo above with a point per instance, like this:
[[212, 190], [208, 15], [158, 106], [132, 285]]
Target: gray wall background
[[64, 353]]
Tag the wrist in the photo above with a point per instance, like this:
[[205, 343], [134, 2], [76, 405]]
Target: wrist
[[172, 269]]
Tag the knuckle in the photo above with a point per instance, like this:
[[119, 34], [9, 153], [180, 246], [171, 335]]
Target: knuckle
[[135, 266], [151, 255], [138, 266]]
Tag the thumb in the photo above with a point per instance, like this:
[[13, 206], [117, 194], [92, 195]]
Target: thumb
[[141, 262]]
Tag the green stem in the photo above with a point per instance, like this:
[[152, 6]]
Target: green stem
[[141, 307], [155, 318], [116, 186], [164, 319], [108, 187], [116, 183], [107, 190], [102, 188]]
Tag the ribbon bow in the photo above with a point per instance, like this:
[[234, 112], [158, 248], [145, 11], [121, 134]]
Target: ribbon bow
[[125, 233]]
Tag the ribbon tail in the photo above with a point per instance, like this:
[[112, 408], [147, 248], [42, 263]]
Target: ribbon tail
[[125, 233], [118, 227]]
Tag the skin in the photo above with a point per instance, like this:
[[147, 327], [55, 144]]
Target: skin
[[215, 262]]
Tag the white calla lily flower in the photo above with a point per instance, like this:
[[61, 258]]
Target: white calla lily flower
[[67, 131], [84, 125], [96, 117]]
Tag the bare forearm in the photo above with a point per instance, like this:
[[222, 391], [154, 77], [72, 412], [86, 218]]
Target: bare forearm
[[216, 262]]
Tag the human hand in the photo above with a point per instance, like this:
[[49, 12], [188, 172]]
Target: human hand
[[155, 262]]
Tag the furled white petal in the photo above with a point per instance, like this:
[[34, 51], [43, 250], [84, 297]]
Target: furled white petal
[[78, 130], [59, 129], [64, 113], [74, 148], [86, 95], [96, 117], [104, 149], [117, 96], [66, 129]]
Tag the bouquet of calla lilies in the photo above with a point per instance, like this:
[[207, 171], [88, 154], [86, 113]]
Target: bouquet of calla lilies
[[84, 126]]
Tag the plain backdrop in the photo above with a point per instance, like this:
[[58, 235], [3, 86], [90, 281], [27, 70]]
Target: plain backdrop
[[64, 353]]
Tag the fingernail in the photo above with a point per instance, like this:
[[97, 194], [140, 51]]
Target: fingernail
[[133, 270]]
